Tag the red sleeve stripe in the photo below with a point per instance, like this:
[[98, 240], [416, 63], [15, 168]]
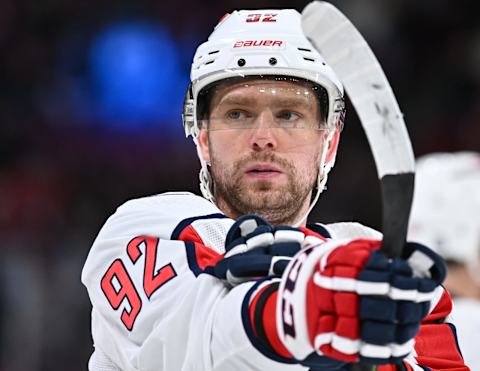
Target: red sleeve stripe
[[203, 255], [441, 308], [263, 319], [190, 234], [252, 305], [309, 232], [200, 258], [256, 313]]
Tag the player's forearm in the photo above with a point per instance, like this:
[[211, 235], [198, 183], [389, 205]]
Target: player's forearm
[[234, 342]]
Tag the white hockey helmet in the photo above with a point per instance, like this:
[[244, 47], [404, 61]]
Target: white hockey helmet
[[446, 206], [249, 43]]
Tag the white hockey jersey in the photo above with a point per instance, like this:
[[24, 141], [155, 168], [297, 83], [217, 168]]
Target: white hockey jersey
[[154, 308]]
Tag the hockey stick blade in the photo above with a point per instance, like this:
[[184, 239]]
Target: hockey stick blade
[[347, 52]]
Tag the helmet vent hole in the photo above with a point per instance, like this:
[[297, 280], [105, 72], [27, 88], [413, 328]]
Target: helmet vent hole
[[309, 59], [304, 49], [241, 62], [213, 52], [210, 62]]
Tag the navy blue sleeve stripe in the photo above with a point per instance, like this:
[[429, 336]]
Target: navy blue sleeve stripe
[[320, 229], [192, 261]]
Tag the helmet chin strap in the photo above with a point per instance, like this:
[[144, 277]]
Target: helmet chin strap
[[204, 175], [206, 179]]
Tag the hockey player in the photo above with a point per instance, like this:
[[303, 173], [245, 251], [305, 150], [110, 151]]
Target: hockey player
[[445, 217], [236, 279]]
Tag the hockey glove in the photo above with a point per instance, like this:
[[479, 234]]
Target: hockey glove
[[256, 249], [345, 300]]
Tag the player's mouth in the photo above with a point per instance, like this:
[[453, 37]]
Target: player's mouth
[[263, 171]]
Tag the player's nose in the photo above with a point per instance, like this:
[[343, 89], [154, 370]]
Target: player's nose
[[263, 134]]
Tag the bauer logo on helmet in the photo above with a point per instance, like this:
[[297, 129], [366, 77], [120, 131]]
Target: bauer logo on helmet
[[259, 43]]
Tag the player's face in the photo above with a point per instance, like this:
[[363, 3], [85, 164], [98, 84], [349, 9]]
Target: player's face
[[264, 145]]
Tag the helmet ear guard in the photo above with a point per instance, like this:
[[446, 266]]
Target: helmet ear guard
[[333, 146], [189, 114]]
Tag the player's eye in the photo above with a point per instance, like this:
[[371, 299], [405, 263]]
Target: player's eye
[[236, 115], [288, 116]]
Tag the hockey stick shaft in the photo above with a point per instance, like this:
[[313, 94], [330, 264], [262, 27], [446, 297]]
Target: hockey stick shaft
[[347, 52]]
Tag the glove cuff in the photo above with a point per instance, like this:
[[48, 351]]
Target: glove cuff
[[292, 299]]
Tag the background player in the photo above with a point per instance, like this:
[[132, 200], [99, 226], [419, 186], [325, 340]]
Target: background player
[[445, 217]]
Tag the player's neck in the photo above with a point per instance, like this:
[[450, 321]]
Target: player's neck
[[274, 218]]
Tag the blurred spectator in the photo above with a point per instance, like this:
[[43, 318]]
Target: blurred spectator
[[445, 217]]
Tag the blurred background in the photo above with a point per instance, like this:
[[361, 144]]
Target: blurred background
[[90, 115]]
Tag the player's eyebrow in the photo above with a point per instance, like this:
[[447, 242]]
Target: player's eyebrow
[[238, 100], [293, 102]]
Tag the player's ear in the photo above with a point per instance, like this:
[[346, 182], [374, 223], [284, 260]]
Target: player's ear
[[333, 146], [204, 145]]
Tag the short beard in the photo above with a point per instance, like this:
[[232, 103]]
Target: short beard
[[279, 205]]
